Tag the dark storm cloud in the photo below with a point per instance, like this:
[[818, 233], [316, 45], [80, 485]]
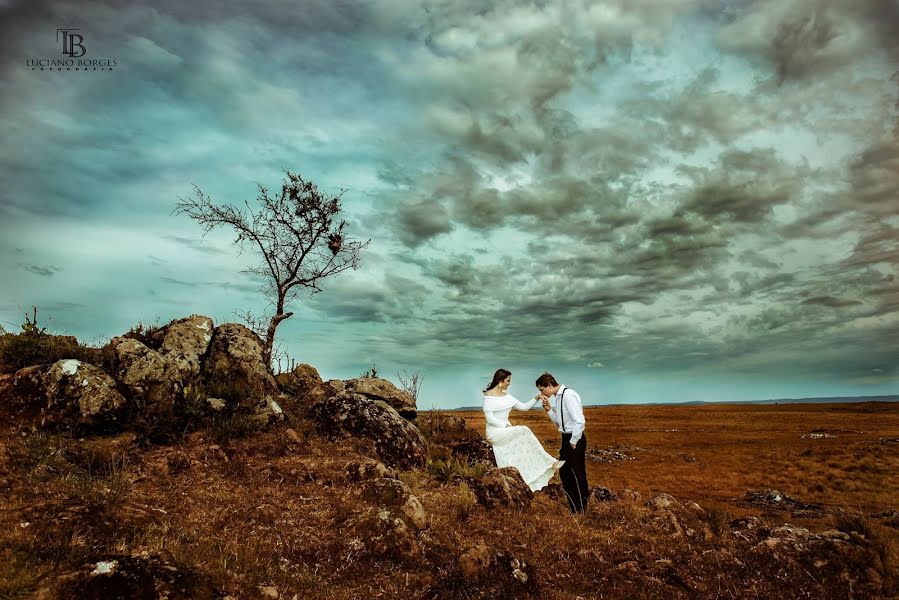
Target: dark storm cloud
[[806, 39], [744, 187], [831, 302], [43, 270], [392, 299], [419, 221]]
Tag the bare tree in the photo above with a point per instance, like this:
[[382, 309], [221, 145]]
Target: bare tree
[[296, 234], [410, 384]]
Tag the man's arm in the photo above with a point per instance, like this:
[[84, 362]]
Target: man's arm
[[576, 412]]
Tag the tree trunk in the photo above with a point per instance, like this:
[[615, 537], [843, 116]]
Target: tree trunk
[[279, 316]]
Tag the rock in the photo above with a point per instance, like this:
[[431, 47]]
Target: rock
[[601, 494], [774, 500], [146, 375], [299, 382], [397, 442], [184, 343], [474, 562], [396, 495], [479, 564], [82, 393], [501, 487], [267, 411], [629, 495], [234, 369], [384, 535], [368, 469], [138, 576], [325, 390], [270, 592], [24, 395], [216, 404], [473, 450], [381, 389], [663, 501]]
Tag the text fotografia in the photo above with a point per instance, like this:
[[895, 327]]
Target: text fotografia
[[60, 63]]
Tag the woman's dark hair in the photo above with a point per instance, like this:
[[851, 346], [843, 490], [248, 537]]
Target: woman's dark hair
[[497, 377], [546, 380]]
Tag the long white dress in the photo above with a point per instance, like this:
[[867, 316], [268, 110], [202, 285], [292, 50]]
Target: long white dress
[[516, 445]]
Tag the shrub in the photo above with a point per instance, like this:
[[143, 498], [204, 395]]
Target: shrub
[[464, 502], [445, 470]]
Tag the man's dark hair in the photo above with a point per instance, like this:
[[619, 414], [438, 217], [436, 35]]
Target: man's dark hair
[[546, 380]]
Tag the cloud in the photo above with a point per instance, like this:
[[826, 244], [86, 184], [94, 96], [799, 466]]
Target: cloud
[[45, 271]]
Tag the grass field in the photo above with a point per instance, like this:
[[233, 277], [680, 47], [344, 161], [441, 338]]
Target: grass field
[[714, 454], [242, 515]]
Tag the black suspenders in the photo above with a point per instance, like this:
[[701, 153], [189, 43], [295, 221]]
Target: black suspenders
[[562, 409]]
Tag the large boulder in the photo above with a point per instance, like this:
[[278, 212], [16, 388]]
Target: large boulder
[[24, 394], [501, 487], [381, 389], [234, 368], [67, 393], [397, 441], [148, 378], [184, 343], [82, 393]]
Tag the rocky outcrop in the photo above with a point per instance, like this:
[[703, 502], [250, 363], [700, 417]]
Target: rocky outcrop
[[158, 376], [501, 487], [381, 389], [773, 500], [397, 442]]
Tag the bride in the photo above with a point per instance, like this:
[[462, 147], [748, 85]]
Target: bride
[[515, 445]]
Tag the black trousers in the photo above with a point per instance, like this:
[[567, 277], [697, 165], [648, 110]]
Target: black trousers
[[574, 473]]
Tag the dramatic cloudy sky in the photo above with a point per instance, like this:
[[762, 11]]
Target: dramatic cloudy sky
[[656, 200]]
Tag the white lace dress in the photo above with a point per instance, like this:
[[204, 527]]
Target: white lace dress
[[516, 445]]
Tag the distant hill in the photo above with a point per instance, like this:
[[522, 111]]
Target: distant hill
[[827, 400]]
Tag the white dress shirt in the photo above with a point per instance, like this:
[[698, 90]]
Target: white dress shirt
[[573, 413]]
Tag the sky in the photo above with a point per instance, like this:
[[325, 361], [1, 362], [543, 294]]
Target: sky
[[654, 200]]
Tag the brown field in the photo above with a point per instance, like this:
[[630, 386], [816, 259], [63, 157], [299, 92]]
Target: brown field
[[713, 454], [238, 514]]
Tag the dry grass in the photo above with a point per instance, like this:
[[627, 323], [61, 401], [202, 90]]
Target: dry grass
[[272, 509]]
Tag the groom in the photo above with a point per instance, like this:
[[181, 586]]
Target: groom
[[563, 405]]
